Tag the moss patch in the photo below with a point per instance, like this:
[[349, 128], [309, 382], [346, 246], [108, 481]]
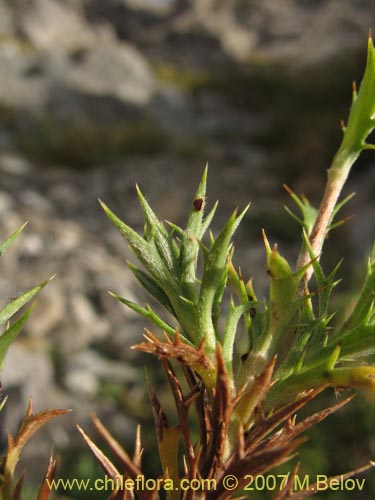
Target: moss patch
[[85, 144]]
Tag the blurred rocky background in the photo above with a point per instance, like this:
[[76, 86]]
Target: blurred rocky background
[[96, 95]]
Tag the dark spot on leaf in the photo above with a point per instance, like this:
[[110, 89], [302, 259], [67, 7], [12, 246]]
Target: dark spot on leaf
[[198, 204]]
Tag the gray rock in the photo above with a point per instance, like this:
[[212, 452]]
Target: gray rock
[[6, 21], [115, 69], [54, 25], [21, 85], [29, 368], [14, 164], [197, 31], [307, 32], [6, 203], [86, 369], [61, 52]]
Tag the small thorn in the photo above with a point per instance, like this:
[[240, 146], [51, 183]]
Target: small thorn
[[202, 344], [177, 338], [354, 91], [287, 189], [167, 338], [240, 274], [29, 410]]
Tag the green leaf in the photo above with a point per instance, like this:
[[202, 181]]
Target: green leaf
[[215, 262], [230, 330], [7, 312], [146, 251], [364, 303], [149, 215], [140, 247], [362, 114], [246, 295], [152, 287], [3, 403], [309, 213], [208, 219], [283, 283], [6, 244], [189, 241], [343, 202], [177, 229], [325, 284], [159, 234], [148, 313], [7, 338], [218, 297], [358, 343]]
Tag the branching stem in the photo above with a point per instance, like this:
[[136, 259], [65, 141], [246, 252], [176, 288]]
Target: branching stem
[[336, 178]]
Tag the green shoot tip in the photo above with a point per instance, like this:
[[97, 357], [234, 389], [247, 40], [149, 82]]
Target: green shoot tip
[[102, 204], [266, 242]]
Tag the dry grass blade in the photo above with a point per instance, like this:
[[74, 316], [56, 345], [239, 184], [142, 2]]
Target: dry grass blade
[[160, 418], [182, 410], [190, 356], [117, 449], [313, 489], [248, 399], [291, 430], [256, 464], [137, 456], [201, 408], [17, 494], [103, 460], [287, 491], [112, 471], [267, 425], [45, 490], [221, 412], [193, 474], [168, 440], [32, 423]]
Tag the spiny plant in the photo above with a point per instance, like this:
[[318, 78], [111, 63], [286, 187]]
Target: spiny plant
[[246, 409], [10, 485]]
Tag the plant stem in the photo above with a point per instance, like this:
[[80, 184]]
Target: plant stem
[[336, 178], [361, 122]]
